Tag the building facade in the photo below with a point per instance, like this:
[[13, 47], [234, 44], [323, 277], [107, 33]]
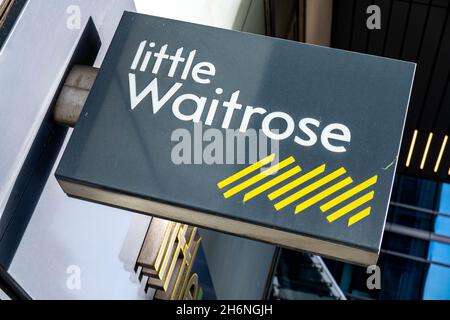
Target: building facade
[[58, 237]]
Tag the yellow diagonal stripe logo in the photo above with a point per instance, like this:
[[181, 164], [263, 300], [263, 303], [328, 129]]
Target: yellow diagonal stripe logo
[[309, 189], [246, 171], [316, 192], [322, 195], [271, 183], [297, 182], [359, 216], [346, 195], [258, 177], [352, 205]]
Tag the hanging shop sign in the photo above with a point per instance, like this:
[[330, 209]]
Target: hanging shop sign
[[274, 140]]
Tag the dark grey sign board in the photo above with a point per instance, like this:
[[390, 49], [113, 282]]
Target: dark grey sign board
[[170, 124]]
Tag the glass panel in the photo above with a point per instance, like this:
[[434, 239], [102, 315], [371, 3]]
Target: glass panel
[[411, 218], [416, 192], [437, 285], [401, 278], [404, 244]]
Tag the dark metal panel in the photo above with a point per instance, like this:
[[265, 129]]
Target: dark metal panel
[[442, 120], [360, 35], [425, 63], [342, 23], [416, 23], [443, 3], [427, 2], [377, 36], [397, 27], [436, 84]]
